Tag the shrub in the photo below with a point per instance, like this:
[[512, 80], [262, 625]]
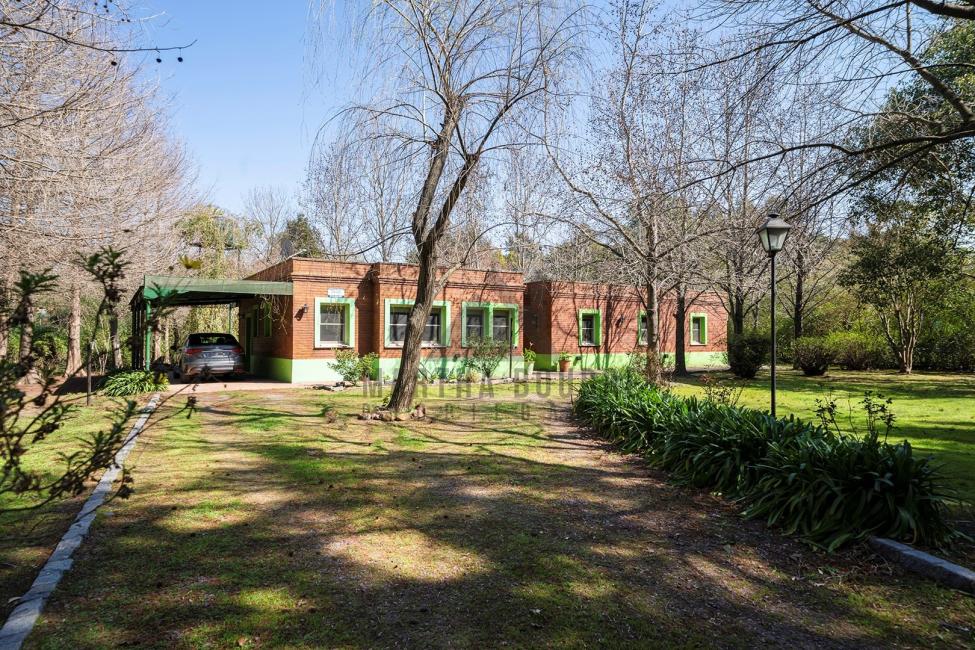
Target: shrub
[[352, 367], [857, 351], [485, 354], [804, 478], [812, 354], [134, 382], [747, 353]]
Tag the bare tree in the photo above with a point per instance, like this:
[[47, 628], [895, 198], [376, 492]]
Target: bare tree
[[627, 178], [87, 157], [268, 209], [461, 71], [858, 51]]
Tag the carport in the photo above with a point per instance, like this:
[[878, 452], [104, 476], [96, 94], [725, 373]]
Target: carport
[[169, 291]]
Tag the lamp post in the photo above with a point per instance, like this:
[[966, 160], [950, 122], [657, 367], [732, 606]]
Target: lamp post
[[772, 234]]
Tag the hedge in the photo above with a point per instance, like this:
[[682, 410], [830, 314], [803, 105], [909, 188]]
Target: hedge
[[827, 488]]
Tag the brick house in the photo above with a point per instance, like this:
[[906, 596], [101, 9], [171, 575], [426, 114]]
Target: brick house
[[601, 325], [334, 306]]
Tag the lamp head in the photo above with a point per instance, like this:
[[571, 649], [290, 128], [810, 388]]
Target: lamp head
[[772, 234]]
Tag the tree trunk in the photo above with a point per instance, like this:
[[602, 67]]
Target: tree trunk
[[402, 397], [798, 298], [653, 334], [4, 337], [166, 343], [74, 334], [737, 315], [115, 359], [680, 341], [25, 354]]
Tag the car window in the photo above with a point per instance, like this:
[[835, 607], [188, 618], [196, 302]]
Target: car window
[[211, 339]]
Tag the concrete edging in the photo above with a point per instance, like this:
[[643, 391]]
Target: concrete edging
[[21, 621], [947, 573]]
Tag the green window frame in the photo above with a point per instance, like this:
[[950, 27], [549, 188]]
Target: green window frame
[[703, 320], [488, 309], [390, 305], [348, 308], [597, 315]]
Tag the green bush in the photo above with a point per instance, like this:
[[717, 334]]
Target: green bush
[[134, 382], [486, 354], [812, 354], [352, 367], [857, 350], [804, 478], [747, 353]]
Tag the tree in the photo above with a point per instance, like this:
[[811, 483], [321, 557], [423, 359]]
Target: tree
[[859, 50], [458, 74], [267, 209], [902, 265], [627, 180], [301, 238]]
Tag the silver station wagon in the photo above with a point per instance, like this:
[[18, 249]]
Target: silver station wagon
[[208, 355]]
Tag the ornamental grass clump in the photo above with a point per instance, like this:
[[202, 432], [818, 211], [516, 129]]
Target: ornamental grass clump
[[807, 479], [134, 382]]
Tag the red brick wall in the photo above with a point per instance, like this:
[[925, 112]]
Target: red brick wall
[[548, 311], [553, 318], [398, 282], [312, 279]]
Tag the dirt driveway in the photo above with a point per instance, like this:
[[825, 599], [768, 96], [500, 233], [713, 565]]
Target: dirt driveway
[[278, 519]]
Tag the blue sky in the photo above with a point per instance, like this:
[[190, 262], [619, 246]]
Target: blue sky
[[241, 104]]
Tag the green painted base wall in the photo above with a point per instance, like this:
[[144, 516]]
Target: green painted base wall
[[442, 367], [304, 371], [298, 371], [601, 361]]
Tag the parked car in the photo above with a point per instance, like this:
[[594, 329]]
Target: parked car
[[209, 354]]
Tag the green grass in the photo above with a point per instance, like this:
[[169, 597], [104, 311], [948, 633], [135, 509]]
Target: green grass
[[935, 412], [27, 537], [257, 520]]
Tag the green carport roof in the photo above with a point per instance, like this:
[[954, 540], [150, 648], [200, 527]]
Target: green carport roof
[[180, 290]]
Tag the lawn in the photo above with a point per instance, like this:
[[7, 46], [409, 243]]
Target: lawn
[[27, 538], [935, 412], [267, 519]]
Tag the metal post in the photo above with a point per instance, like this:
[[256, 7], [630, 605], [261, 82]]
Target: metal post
[[773, 335]]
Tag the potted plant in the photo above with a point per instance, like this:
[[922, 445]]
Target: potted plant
[[529, 361], [565, 362]]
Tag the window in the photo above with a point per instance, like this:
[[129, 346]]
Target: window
[[397, 326], [334, 322], [431, 331], [501, 327], [699, 329], [474, 327], [641, 330], [210, 339], [588, 329], [331, 324], [435, 332]]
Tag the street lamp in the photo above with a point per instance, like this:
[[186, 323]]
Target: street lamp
[[772, 234]]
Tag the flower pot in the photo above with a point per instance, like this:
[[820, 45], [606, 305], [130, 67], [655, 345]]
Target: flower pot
[[565, 365]]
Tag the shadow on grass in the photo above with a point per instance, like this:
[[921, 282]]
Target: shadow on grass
[[484, 536]]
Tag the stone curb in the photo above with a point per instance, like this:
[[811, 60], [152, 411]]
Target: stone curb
[[22, 619], [925, 564]]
